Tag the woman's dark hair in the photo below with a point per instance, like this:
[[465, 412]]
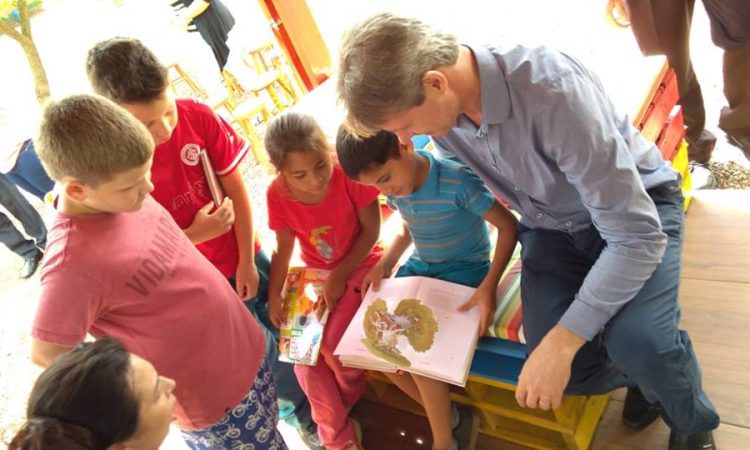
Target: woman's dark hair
[[84, 400]]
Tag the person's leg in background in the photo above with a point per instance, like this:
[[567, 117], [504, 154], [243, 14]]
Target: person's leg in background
[[29, 174], [30, 250], [730, 30], [663, 27], [294, 408]]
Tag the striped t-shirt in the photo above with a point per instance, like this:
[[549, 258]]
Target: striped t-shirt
[[444, 216]]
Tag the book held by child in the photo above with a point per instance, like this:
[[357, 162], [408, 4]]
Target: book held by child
[[305, 316], [413, 324]]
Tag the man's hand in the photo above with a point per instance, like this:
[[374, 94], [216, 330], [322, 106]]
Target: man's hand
[[247, 280], [546, 372], [333, 290], [484, 297], [208, 225], [374, 276]]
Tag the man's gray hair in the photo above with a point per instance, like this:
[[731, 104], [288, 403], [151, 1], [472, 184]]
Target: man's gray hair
[[381, 64]]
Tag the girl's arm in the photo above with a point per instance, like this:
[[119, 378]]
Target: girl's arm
[[484, 297], [279, 267], [369, 219], [246, 276], [383, 268]]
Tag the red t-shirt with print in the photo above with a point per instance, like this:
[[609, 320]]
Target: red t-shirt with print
[[179, 183], [327, 230]]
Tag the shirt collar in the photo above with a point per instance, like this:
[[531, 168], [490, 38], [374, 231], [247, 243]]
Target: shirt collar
[[493, 86]]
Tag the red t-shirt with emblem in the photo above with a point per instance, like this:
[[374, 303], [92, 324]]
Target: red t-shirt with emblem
[[327, 230], [179, 183]]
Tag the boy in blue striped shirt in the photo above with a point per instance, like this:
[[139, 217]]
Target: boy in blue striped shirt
[[445, 209]]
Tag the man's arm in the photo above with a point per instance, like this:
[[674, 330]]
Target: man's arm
[[44, 353]]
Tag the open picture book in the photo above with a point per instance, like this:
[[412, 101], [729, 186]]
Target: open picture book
[[413, 324], [305, 314]]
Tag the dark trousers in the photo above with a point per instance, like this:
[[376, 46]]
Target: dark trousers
[[663, 27], [641, 345], [13, 201], [294, 408]]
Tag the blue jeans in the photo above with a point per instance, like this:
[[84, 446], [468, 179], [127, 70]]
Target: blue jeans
[[16, 204], [294, 408], [641, 345], [460, 272], [28, 173]]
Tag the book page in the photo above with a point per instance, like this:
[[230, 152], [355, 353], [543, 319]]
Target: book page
[[413, 323]]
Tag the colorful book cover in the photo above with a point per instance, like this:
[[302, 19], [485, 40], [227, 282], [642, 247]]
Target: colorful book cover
[[305, 315]]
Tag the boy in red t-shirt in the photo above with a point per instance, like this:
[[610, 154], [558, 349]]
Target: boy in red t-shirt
[[118, 265], [125, 71]]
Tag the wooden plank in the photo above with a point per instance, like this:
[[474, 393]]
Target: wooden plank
[[612, 435]]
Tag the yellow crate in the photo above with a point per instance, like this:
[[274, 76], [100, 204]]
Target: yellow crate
[[571, 426], [681, 164]]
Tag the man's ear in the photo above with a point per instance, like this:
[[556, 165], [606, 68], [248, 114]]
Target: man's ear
[[75, 189], [434, 80]]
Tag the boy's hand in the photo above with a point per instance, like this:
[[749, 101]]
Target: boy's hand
[[274, 310], [374, 276], [333, 290], [484, 297], [208, 225], [247, 280]]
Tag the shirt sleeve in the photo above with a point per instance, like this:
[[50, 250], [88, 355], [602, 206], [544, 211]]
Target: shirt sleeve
[[224, 146], [360, 194], [473, 195], [277, 220], [592, 154], [68, 306]]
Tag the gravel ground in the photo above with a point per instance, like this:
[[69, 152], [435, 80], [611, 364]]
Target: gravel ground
[[730, 175]]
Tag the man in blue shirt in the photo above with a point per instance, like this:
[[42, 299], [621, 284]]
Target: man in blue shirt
[[601, 212]]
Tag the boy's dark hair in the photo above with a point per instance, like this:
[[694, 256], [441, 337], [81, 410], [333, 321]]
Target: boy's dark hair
[[126, 71], [293, 132], [91, 139], [84, 400], [357, 154]]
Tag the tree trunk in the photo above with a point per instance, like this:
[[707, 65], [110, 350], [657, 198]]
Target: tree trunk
[[41, 85], [23, 37]]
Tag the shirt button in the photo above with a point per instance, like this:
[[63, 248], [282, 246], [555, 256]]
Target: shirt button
[[568, 223], [516, 188], [539, 216]]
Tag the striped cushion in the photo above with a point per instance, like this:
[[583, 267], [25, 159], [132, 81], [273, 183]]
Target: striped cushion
[[508, 320]]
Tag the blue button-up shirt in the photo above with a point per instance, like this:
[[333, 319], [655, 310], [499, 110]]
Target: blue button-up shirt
[[553, 146]]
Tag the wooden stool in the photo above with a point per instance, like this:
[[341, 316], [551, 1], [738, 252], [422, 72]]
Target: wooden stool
[[242, 115], [177, 75], [272, 82]]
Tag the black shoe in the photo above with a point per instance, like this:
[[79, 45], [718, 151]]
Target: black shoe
[[740, 141], [638, 413], [697, 441], [30, 264]]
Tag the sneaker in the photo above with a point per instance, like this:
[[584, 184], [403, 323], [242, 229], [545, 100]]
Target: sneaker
[[700, 175], [310, 437], [638, 413], [467, 430], [697, 441]]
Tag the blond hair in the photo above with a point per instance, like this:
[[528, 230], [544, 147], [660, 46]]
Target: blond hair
[[293, 132], [91, 139], [381, 64]]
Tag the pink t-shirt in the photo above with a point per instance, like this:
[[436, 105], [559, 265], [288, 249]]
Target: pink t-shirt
[[179, 183], [327, 230], [136, 277]]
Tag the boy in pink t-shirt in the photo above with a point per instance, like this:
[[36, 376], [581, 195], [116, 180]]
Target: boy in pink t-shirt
[[125, 71], [118, 265]]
